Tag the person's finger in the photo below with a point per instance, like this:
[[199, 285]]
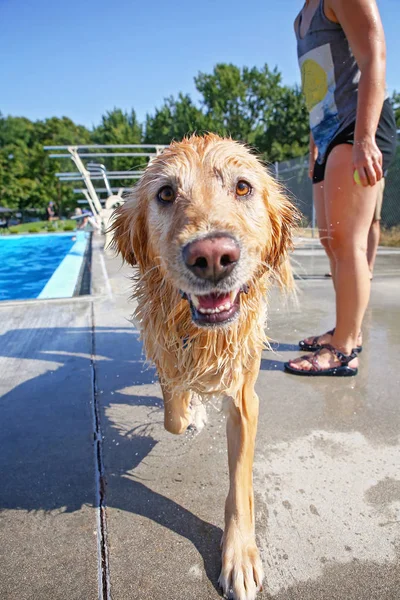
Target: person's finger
[[377, 165], [370, 173]]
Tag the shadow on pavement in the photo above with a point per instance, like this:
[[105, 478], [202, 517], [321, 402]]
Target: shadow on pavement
[[271, 365], [281, 347], [47, 430], [274, 364]]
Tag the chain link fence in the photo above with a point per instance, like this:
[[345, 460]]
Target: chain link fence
[[293, 174]]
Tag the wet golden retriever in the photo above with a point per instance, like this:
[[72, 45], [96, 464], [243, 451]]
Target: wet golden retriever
[[209, 229]]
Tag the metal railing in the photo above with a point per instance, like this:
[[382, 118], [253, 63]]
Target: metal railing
[[87, 172]]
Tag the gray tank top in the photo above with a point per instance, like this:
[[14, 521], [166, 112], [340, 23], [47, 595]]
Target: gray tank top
[[329, 75]]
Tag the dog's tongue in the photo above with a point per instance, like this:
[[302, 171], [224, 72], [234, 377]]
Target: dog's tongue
[[213, 300]]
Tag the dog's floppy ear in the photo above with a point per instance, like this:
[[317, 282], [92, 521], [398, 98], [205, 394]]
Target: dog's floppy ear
[[283, 218], [130, 232]]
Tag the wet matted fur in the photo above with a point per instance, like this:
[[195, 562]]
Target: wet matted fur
[[201, 176]]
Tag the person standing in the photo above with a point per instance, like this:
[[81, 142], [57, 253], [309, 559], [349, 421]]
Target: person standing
[[50, 210], [342, 57]]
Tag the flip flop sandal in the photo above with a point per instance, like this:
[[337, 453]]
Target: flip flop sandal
[[314, 346], [341, 370]]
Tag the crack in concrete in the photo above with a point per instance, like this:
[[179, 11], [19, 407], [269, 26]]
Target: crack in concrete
[[104, 591]]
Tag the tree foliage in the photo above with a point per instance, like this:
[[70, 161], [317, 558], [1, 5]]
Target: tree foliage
[[175, 119], [396, 107], [248, 104], [251, 105]]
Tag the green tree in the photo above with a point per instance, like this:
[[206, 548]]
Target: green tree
[[251, 105], [284, 131], [396, 107], [224, 101], [175, 119], [27, 174], [254, 106], [119, 127]]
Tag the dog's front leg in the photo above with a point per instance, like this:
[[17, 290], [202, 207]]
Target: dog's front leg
[[177, 414], [242, 574]]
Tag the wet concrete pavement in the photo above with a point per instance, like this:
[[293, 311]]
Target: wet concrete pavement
[[48, 545], [326, 470]]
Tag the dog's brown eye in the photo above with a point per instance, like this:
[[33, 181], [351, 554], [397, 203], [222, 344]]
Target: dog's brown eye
[[243, 188], [166, 194]]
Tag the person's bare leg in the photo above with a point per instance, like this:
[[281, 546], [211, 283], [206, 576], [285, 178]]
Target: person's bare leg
[[375, 229], [374, 235], [319, 203], [349, 210]]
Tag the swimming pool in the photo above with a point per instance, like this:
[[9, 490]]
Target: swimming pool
[[33, 266]]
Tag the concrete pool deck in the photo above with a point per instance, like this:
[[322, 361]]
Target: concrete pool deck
[[91, 486]]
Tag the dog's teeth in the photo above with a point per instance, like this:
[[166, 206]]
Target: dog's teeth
[[233, 295], [212, 311]]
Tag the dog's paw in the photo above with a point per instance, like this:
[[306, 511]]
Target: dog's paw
[[242, 573], [198, 413]]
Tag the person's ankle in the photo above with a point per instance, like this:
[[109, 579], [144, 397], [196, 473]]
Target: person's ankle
[[344, 347]]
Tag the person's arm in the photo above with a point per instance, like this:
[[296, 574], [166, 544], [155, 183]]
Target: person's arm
[[312, 157], [362, 25]]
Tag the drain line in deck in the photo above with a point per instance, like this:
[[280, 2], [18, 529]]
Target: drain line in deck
[[102, 545]]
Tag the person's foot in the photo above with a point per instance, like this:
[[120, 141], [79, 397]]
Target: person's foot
[[314, 343], [319, 340], [323, 361]]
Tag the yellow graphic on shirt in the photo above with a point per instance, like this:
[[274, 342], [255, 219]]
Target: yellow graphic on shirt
[[314, 83]]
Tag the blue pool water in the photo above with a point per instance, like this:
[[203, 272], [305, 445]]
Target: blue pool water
[[28, 262]]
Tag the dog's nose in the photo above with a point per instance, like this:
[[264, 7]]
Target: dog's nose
[[212, 258]]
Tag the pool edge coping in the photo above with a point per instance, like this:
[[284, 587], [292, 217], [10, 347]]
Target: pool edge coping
[[63, 281]]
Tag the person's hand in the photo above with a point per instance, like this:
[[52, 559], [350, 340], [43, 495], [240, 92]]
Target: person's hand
[[367, 159]]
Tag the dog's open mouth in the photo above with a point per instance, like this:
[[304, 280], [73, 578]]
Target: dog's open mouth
[[215, 308]]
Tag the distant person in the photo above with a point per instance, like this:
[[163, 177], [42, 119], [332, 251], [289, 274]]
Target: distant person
[[88, 222], [51, 213], [342, 57], [83, 221]]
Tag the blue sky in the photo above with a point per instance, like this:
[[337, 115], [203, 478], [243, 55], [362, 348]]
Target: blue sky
[[82, 58]]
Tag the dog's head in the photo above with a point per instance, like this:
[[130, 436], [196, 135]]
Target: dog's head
[[207, 215]]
